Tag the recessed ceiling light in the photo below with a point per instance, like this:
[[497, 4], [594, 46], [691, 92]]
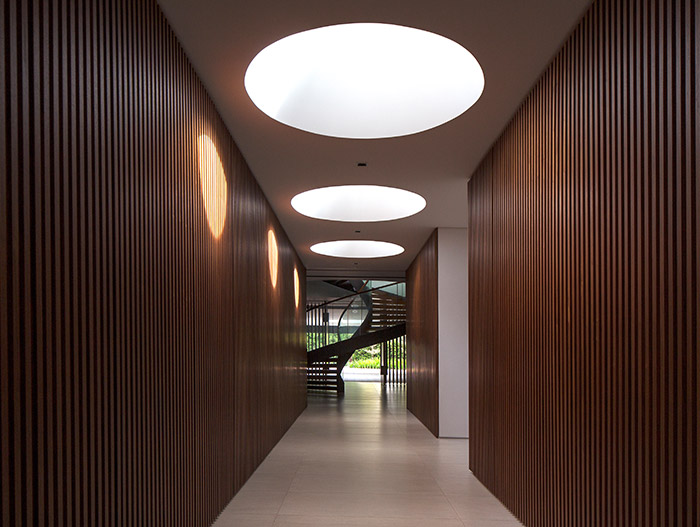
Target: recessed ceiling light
[[364, 81], [362, 203], [357, 249]]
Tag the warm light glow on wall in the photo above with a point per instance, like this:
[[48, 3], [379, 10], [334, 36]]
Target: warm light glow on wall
[[272, 256], [214, 186], [296, 287]]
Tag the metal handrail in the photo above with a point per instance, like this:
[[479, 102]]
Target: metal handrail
[[369, 310], [340, 318]]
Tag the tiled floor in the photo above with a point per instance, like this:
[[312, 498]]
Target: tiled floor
[[364, 461]]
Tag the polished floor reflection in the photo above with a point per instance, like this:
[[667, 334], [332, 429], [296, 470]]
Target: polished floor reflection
[[363, 460]]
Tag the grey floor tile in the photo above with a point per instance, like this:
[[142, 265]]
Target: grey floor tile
[[363, 460]]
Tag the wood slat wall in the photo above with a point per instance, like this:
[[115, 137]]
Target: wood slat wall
[[146, 368], [422, 336], [584, 267]]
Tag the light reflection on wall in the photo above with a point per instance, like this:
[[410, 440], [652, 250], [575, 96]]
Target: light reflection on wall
[[296, 287], [214, 186], [272, 256]]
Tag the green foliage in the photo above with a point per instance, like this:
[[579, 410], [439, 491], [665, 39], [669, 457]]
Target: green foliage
[[372, 362], [367, 353], [316, 340], [366, 358]]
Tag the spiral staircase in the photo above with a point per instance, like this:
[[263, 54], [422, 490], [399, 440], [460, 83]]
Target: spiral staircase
[[368, 316]]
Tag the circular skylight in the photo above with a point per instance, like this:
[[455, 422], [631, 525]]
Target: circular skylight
[[364, 81], [358, 203], [357, 249]]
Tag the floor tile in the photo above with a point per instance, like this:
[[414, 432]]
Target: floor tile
[[479, 508], [367, 504], [363, 460], [232, 519], [334, 521], [256, 502], [490, 523]]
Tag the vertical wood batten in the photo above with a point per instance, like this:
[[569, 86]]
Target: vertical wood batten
[[422, 336], [123, 343], [5, 263], [598, 175]]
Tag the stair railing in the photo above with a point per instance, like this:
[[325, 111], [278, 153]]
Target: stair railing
[[351, 308], [320, 315], [311, 307]]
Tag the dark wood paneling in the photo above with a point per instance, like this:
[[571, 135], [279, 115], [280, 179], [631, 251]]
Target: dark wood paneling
[[422, 335], [584, 266], [146, 367]]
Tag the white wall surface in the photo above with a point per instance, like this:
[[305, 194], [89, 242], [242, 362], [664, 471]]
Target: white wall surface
[[453, 333]]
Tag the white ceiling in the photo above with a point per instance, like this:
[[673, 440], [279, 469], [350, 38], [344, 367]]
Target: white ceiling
[[513, 40]]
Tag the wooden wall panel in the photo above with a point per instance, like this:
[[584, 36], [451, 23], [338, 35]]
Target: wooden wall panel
[[422, 336], [584, 267], [146, 367]]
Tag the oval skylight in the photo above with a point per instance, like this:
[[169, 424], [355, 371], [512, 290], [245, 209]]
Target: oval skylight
[[364, 81], [357, 249], [358, 203]]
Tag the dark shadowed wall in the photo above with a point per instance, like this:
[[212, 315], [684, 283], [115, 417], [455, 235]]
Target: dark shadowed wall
[[584, 268], [146, 368], [422, 335]]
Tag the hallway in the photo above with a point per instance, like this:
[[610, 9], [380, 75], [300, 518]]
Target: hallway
[[364, 460]]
